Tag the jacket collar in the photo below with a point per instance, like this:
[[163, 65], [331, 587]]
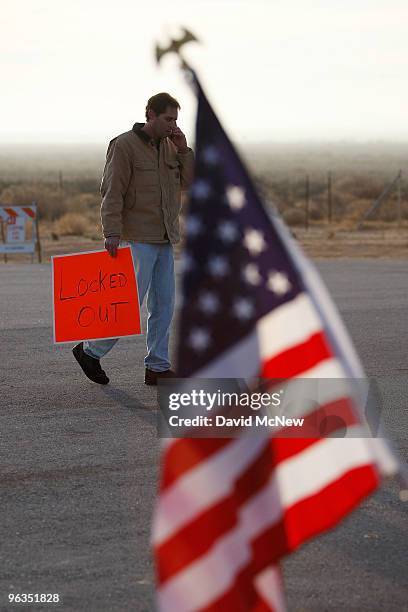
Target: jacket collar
[[137, 129]]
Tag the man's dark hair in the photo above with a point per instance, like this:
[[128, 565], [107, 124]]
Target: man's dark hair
[[160, 102]]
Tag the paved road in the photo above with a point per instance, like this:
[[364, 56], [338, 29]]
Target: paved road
[[79, 461]]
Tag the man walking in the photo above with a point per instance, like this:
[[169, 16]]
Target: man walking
[[146, 168]]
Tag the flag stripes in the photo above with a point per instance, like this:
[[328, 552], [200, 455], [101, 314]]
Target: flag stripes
[[239, 466], [210, 480], [269, 585], [297, 359], [288, 325], [182, 456], [269, 518]]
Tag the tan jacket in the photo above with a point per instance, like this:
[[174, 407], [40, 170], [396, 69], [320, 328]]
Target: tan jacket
[[141, 189]]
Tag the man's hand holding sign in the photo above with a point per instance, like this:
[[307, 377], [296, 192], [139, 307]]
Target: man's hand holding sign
[[112, 245], [145, 171], [95, 296]]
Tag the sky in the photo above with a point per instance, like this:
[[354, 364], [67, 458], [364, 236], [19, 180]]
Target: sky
[[274, 70]]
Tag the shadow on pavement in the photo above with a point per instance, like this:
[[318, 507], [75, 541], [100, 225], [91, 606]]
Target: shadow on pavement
[[148, 413]]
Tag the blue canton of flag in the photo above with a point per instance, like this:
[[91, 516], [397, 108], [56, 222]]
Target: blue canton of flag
[[235, 266]]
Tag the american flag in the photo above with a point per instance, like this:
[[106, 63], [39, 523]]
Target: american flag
[[230, 509]]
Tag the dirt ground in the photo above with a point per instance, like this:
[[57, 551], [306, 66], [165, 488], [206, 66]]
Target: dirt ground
[[327, 243], [322, 242]]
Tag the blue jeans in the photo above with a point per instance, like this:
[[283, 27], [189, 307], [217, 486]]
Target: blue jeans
[[154, 267]]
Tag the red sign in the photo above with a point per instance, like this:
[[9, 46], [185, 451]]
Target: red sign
[[95, 296]]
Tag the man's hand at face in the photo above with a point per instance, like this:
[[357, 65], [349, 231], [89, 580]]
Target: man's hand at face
[[178, 138], [111, 245]]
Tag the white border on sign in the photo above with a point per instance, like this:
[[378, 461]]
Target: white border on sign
[[52, 300]]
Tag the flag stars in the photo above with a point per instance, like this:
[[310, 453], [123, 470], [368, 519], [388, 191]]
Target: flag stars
[[218, 266], [199, 339], [210, 155], [200, 190], [278, 283], [227, 231], [254, 241], [251, 274], [236, 197], [208, 303], [186, 263], [243, 309], [193, 226]]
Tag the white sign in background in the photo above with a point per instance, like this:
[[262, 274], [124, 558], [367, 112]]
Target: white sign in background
[[16, 230]]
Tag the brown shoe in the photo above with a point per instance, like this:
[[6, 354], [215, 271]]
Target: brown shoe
[[152, 377]]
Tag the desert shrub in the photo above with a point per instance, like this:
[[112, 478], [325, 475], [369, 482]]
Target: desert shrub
[[86, 185], [51, 201], [317, 210], [317, 187], [388, 209], [356, 208], [361, 187], [72, 224], [294, 216], [83, 202], [340, 202]]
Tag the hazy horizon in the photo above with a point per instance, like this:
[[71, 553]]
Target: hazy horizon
[[37, 162], [377, 142]]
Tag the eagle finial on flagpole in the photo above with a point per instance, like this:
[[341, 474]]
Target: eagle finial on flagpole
[[175, 47]]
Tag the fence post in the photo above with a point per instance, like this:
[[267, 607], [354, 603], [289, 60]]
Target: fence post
[[3, 237], [399, 218], [307, 202], [37, 233], [329, 197]]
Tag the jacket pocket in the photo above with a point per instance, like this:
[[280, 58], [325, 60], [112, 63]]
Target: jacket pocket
[[144, 164], [145, 174], [146, 216], [173, 167]]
